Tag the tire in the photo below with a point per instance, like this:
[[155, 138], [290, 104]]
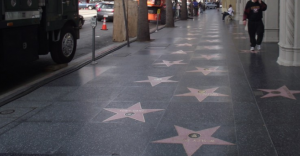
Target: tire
[[207, 7], [64, 50]]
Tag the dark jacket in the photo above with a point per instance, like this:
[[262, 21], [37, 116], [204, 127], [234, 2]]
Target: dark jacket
[[253, 10]]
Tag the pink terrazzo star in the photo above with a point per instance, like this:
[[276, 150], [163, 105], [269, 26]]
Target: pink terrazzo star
[[183, 45], [193, 140], [181, 52], [209, 57], [250, 51], [170, 63], [240, 38], [156, 80], [212, 36], [212, 47], [192, 34], [134, 112], [202, 94], [212, 41], [190, 38], [206, 71], [282, 91]]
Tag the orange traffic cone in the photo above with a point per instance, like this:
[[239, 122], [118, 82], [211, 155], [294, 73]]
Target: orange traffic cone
[[104, 24]]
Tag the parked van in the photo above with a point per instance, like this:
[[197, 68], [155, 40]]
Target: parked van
[[210, 5]]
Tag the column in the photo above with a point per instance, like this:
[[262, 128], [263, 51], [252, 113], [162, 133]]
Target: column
[[271, 21], [242, 8], [289, 44], [237, 10]]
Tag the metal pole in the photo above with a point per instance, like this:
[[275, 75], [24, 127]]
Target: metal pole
[[93, 46], [126, 26], [157, 23]]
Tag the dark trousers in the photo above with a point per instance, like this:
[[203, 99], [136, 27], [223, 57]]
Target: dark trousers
[[256, 27], [195, 11], [225, 14]]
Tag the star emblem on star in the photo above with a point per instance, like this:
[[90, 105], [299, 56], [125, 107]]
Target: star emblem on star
[[170, 63], [202, 94], [156, 80], [209, 57], [134, 112], [251, 51], [183, 45], [282, 91], [193, 140], [206, 71], [181, 52]]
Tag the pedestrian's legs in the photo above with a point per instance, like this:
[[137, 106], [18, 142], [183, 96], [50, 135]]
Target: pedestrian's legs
[[252, 32], [260, 29], [225, 14]]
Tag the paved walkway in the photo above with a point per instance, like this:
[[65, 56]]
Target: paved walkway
[[194, 90]]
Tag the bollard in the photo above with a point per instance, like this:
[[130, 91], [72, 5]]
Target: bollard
[[104, 23], [157, 16], [94, 25]]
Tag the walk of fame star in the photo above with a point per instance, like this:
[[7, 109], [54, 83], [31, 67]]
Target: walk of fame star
[[208, 57], [211, 41], [250, 51], [156, 80], [202, 94], [193, 140], [206, 71], [170, 63], [190, 38], [211, 47], [212, 36], [282, 91], [181, 52], [134, 112], [183, 45], [240, 38]]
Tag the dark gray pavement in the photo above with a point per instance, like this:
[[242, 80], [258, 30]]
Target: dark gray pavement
[[194, 90]]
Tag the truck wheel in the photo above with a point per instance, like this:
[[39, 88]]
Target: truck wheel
[[163, 16], [63, 50]]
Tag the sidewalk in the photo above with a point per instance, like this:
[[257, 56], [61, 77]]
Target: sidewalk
[[193, 90]]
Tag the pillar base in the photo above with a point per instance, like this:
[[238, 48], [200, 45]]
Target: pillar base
[[288, 56]]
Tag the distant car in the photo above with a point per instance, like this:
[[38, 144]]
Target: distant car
[[210, 5], [81, 21], [82, 5], [92, 4], [105, 8]]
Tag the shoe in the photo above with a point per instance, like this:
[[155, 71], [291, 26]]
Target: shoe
[[258, 47], [252, 48]]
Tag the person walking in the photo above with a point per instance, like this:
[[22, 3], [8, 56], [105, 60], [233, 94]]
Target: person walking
[[253, 12], [218, 5], [177, 10], [195, 4], [200, 7], [229, 12]]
